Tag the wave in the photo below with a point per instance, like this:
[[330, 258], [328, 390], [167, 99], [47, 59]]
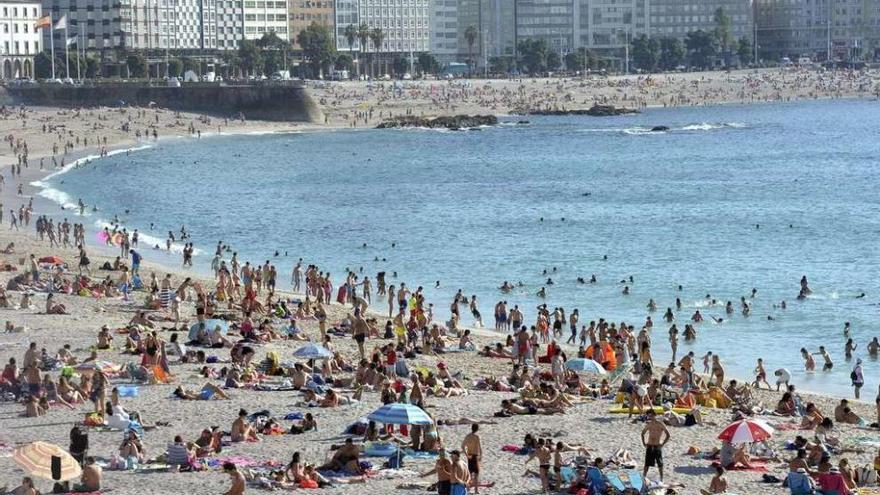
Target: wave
[[147, 240], [643, 131]]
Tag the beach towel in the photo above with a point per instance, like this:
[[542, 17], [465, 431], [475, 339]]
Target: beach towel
[[165, 296]]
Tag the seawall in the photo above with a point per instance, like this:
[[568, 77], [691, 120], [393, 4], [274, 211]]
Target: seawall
[[279, 102]]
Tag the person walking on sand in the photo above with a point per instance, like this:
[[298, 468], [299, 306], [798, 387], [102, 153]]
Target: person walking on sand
[[459, 477], [654, 438], [472, 448]]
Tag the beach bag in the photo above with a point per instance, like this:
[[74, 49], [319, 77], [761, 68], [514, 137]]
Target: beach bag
[[308, 484]]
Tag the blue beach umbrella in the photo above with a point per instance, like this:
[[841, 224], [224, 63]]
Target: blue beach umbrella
[[581, 365], [400, 414], [312, 351], [210, 325]]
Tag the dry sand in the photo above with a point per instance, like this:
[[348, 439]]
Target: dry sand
[[587, 423]]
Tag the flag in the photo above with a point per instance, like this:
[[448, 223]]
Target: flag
[[43, 22], [62, 23], [71, 41]]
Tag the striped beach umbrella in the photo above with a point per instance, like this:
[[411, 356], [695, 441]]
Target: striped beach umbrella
[[583, 365], [746, 431], [36, 460], [312, 351], [400, 414]]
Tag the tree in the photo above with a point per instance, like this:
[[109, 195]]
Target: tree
[[175, 67], [400, 65], [344, 61], [231, 66], [427, 63], [92, 65], [250, 58], [744, 50], [581, 59], [137, 65], [377, 36], [672, 53], [499, 65], [274, 50], [363, 34], [43, 66], [533, 53], [470, 35], [553, 60], [317, 47], [722, 32], [646, 53], [702, 47], [351, 34]]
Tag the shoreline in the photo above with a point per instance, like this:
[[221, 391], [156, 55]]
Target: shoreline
[[170, 261], [588, 422]]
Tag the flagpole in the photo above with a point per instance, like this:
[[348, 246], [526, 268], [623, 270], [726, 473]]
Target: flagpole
[[66, 54], [52, 43]]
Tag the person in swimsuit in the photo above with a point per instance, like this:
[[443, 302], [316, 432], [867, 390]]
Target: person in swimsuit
[[472, 448], [543, 454]]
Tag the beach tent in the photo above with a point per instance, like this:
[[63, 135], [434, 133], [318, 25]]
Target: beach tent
[[746, 431], [37, 458], [312, 351], [581, 365], [210, 325]]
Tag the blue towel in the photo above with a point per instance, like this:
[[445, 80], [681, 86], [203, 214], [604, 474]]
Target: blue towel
[[294, 415]]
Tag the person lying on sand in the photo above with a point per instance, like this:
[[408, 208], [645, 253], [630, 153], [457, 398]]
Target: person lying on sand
[[207, 392], [508, 408]]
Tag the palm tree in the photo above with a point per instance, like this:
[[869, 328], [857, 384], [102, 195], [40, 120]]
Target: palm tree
[[471, 34], [377, 36], [363, 34], [350, 35]]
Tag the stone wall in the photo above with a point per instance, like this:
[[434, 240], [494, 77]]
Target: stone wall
[[286, 102]]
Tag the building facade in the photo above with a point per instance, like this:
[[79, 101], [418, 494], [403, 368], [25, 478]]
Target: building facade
[[846, 29], [676, 18], [404, 23], [149, 25], [21, 41], [230, 24], [444, 30], [302, 13], [265, 16]]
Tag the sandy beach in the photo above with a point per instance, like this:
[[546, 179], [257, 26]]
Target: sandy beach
[[587, 422]]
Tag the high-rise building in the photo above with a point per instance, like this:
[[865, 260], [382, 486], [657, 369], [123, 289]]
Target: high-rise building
[[265, 16], [150, 25], [848, 29], [676, 18], [230, 24], [405, 24], [444, 30], [302, 13], [551, 20], [20, 38]]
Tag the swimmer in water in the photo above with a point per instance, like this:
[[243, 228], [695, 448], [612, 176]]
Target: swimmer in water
[[809, 362], [542, 293], [593, 279], [626, 290], [861, 296]]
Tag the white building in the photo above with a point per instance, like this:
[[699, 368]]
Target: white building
[[20, 39], [265, 16], [404, 23]]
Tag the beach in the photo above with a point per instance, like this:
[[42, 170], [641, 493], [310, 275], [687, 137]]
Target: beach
[[587, 422]]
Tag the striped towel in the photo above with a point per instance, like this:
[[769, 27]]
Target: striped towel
[[165, 296]]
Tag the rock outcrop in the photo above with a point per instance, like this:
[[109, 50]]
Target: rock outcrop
[[453, 122], [594, 111]]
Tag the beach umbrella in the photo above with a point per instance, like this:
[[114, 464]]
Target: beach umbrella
[[36, 460], [52, 260], [746, 431], [583, 365], [210, 325], [400, 414], [312, 351]]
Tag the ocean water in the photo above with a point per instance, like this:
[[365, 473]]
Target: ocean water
[[729, 199]]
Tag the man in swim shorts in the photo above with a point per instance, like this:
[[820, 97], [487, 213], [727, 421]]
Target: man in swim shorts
[[654, 437], [472, 447]]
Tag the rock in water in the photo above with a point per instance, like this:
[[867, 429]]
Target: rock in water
[[594, 111], [659, 128], [454, 122]]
